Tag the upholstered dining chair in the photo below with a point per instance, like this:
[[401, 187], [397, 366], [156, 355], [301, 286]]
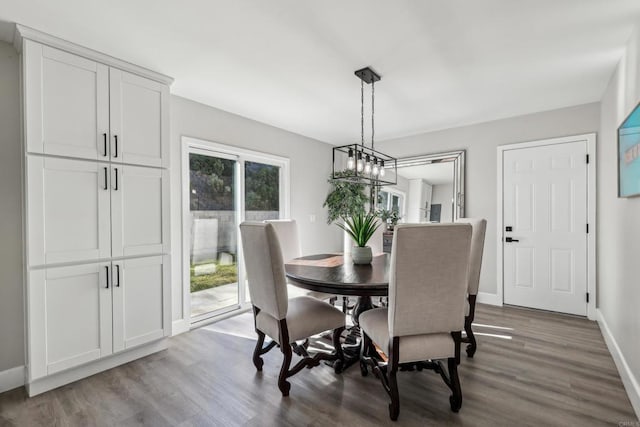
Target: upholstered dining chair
[[289, 238], [423, 322], [479, 227], [284, 320]]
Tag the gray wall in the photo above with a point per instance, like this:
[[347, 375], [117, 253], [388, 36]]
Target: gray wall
[[619, 219], [310, 167], [481, 141], [11, 307]]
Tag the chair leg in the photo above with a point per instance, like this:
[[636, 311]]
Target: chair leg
[[471, 338], [339, 363], [257, 360], [364, 353], [456, 397], [468, 320], [394, 406], [283, 384]]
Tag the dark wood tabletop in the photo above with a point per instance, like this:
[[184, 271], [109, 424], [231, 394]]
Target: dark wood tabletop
[[336, 274]]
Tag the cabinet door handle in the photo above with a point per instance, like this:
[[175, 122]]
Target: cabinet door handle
[[115, 137], [106, 178], [104, 135], [116, 188], [118, 275], [106, 267]]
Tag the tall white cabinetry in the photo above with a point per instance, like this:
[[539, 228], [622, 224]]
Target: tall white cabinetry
[[419, 201], [97, 215]]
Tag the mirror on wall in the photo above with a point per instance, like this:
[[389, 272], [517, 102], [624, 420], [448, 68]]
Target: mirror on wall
[[430, 188]]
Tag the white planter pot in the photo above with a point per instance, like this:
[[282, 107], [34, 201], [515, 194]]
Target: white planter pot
[[361, 255]]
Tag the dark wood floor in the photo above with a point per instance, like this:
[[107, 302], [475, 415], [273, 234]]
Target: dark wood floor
[[532, 368]]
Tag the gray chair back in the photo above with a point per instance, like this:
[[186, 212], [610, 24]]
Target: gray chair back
[[428, 278], [479, 228], [287, 231], [265, 268]]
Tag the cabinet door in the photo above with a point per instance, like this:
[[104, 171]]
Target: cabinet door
[[68, 210], [70, 321], [138, 204], [139, 119], [140, 299], [66, 103]]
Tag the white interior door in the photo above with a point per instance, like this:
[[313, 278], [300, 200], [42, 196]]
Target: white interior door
[[68, 215], [139, 110], [67, 103], [545, 227]]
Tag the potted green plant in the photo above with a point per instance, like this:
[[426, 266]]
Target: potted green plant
[[389, 217], [360, 227]]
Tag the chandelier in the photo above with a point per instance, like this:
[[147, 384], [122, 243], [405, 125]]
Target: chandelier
[[360, 163]]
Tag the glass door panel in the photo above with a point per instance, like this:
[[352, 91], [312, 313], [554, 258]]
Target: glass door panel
[[213, 208]]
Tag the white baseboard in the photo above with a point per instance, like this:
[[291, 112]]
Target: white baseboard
[[628, 378], [65, 377], [180, 326], [11, 378], [487, 298]]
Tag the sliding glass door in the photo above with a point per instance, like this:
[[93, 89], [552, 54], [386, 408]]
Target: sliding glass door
[[225, 186]]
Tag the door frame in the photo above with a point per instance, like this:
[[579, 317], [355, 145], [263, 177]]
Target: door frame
[[590, 139], [240, 155]]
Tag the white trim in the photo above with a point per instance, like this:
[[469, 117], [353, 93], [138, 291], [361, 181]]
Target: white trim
[[490, 299], [240, 155], [179, 326], [23, 32], [590, 139], [59, 379], [11, 378], [626, 374]]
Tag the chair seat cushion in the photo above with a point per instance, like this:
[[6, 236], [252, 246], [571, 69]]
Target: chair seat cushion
[[413, 348], [306, 316]]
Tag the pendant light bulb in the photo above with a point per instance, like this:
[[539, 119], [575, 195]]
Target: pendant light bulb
[[367, 165], [359, 163], [375, 170], [382, 172], [351, 164]]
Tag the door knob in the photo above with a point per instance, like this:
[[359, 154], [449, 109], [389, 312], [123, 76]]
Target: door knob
[[510, 240]]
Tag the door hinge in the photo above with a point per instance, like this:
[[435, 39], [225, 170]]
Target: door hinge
[[587, 297], [587, 228], [587, 158]]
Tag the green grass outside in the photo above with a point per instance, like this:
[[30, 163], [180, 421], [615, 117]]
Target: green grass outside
[[224, 275]]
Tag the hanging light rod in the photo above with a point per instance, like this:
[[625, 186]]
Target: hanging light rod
[[367, 75]]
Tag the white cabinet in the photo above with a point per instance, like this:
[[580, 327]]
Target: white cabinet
[[76, 107], [68, 205], [418, 201], [69, 317], [86, 211], [138, 299], [96, 197], [138, 206], [66, 103], [139, 119]]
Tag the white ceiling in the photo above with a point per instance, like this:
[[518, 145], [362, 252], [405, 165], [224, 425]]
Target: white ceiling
[[434, 173], [290, 63]]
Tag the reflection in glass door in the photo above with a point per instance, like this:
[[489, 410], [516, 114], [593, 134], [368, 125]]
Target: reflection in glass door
[[213, 256]]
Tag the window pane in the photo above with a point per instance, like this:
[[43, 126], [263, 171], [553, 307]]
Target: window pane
[[262, 191]]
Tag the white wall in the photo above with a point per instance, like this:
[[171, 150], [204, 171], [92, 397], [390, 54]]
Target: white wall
[[619, 221], [443, 194], [480, 141], [310, 168], [11, 311]]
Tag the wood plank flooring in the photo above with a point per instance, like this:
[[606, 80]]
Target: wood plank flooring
[[531, 368]]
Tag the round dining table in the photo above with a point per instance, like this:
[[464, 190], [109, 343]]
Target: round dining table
[[336, 274]]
